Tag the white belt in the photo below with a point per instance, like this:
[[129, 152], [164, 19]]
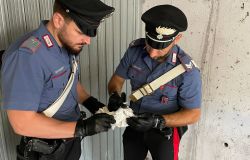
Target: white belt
[[53, 108], [147, 89]]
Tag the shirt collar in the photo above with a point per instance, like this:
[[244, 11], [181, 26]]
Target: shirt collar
[[44, 34], [171, 58]]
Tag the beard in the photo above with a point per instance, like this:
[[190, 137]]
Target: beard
[[161, 58], [69, 46]]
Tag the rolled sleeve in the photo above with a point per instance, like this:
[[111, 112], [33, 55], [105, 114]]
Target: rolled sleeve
[[22, 81], [190, 90]]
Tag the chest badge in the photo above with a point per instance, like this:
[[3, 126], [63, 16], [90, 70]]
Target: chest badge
[[174, 57], [48, 41]]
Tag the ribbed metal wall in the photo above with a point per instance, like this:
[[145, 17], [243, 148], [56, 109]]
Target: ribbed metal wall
[[98, 62]]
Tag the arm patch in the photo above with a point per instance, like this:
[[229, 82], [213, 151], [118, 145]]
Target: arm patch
[[187, 62], [32, 44]]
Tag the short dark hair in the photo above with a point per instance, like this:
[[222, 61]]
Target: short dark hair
[[60, 9]]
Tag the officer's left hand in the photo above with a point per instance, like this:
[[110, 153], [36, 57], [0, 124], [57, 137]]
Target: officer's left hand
[[93, 125], [144, 122], [116, 101]]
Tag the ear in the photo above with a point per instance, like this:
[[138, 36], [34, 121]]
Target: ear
[[58, 20], [177, 38]]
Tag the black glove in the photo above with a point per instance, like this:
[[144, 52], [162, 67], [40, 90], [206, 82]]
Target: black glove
[[95, 124], [116, 101], [144, 122], [92, 104]]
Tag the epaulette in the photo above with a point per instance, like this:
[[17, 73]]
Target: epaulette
[[187, 62], [32, 43], [137, 42]]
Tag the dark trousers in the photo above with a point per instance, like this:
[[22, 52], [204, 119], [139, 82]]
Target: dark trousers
[[68, 150], [137, 144]]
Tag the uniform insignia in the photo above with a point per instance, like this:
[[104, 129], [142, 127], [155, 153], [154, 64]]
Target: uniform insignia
[[136, 67], [32, 44], [164, 31], [48, 41], [174, 57], [186, 61], [189, 65], [59, 70]]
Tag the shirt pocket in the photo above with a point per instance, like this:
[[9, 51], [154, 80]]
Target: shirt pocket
[[59, 81], [170, 91], [137, 76]]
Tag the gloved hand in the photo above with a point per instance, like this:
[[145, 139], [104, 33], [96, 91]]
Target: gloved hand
[[92, 104], [116, 101], [145, 121], [93, 125]]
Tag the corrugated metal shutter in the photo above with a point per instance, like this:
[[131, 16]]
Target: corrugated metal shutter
[[98, 62]]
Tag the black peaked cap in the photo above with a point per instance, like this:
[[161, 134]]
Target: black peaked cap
[[166, 16], [87, 14], [163, 23]]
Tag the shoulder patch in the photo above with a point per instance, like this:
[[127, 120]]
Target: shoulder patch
[[137, 42], [187, 62], [32, 43]]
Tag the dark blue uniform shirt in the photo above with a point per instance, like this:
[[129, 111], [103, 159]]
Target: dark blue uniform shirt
[[34, 73], [183, 91]]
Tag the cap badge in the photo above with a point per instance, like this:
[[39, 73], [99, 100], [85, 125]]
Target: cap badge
[[164, 31]]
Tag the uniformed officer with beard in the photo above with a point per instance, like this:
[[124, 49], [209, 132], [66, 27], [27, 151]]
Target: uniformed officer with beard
[[35, 71], [161, 116]]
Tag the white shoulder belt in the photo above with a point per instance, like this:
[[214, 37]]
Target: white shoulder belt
[[148, 88], [53, 108]]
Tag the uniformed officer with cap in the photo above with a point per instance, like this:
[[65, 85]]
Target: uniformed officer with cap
[[162, 116], [35, 71]]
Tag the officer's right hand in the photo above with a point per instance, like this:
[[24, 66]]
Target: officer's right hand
[[116, 101], [93, 125]]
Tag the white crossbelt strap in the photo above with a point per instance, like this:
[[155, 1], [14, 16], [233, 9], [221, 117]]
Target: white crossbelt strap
[[147, 89], [53, 108]]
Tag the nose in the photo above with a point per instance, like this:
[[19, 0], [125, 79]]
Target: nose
[[153, 52], [86, 39]]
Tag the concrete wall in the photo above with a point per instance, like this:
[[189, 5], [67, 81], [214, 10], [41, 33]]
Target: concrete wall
[[218, 39]]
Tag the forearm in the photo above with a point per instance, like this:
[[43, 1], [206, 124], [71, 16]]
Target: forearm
[[34, 124], [114, 88], [115, 84], [82, 93], [182, 118]]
